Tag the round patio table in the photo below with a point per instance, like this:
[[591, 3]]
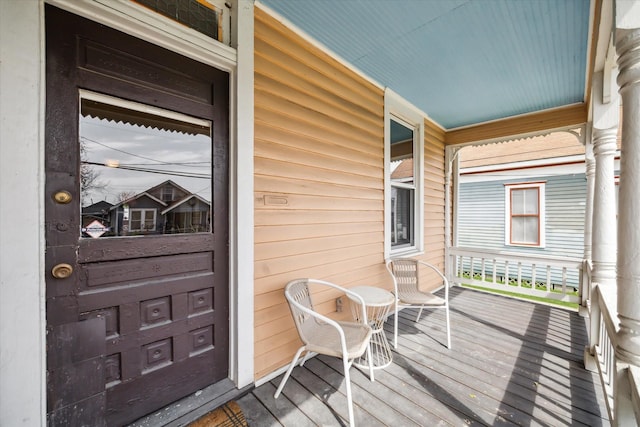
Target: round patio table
[[377, 302]]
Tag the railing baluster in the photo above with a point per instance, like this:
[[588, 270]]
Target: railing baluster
[[533, 276], [473, 260], [506, 272], [495, 263], [515, 271]]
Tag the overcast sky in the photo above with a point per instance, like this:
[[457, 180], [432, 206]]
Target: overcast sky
[[185, 158]]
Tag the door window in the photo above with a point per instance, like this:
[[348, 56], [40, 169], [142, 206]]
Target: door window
[[144, 171]]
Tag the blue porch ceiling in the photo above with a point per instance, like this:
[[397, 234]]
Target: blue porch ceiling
[[460, 61]]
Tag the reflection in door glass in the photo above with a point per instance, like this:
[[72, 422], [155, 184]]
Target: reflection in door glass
[[143, 171]]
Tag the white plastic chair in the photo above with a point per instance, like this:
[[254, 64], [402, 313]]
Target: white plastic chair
[[406, 281], [322, 335]]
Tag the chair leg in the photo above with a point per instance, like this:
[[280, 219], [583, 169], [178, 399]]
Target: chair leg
[[347, 380], [419, 313], [370, 358], [286, 375], [395, 327], [448, 327]]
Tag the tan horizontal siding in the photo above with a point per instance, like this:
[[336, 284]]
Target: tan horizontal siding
[[288, 232], [434, 209], [317, 142], [265, 251], [299, 54], [319, 183]]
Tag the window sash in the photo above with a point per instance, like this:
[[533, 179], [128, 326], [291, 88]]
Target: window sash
[[142, 220], [404, 177], [524, 216]]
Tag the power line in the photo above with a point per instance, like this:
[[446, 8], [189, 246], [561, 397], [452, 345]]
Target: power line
[[137, 155], [149, 170]]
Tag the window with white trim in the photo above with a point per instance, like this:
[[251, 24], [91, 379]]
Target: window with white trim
[[525, 214], [142, 220], [404, 144]]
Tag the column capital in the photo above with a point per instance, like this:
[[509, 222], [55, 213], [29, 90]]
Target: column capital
[[590, 166], [628, 49], [605, 141]]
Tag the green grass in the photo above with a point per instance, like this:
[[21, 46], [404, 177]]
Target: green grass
[[565, 304]]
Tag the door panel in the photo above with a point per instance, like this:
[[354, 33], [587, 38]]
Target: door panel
[[155, 293]]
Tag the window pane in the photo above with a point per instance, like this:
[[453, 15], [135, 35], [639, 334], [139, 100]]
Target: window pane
[[402, 216], [524, 201], [142, 171], [524, 230], [403, 194], [402, 168], [199, 15]]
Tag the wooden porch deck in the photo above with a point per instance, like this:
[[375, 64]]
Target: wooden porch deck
[[512, 363]]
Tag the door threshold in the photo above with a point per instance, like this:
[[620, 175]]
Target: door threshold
[[194, 406]]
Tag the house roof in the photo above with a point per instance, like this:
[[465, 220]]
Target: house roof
[[136, 197], [183, 201], [462, 62]]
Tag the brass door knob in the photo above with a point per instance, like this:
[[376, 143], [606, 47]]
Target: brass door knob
[[61, 271], [63, 197]]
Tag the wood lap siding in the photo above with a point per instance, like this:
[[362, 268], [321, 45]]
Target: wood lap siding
[[481, 216], [319, 182], [434, 209]]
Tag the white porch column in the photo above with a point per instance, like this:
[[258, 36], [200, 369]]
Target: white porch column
[[450, 209], [627, 42], [628, 48], [590, 172], [604, 133]]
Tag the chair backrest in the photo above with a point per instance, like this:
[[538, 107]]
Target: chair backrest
[[405, 273], [301, 305]]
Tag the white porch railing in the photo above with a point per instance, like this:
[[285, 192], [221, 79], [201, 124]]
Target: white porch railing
[[620, 381], [555, 278], [602, 336]]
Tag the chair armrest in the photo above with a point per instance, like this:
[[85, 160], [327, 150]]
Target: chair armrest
[[324, 319], [434, 268], [445, 282]]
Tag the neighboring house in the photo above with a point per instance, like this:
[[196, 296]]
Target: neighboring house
[[252, 154], [524, 198], [166, 208], [98, 211]]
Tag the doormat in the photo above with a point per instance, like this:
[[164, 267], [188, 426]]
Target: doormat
[[228, 415]]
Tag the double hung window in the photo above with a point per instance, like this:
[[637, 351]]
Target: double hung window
[[404, 143], [143, 219], [524, 214]]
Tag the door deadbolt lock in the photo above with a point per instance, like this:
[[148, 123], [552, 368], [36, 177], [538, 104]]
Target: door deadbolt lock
[[62, 271], [63, 197]]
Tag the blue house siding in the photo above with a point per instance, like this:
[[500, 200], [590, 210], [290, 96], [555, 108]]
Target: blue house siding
[[481, 218]]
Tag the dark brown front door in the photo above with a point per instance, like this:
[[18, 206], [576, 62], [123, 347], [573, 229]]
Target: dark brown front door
[[136, 224]]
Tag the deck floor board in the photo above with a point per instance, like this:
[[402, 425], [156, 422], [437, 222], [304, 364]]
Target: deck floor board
[[512, 362]]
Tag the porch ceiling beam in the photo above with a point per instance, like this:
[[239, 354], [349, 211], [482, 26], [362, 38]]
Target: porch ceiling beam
[[563, 117]]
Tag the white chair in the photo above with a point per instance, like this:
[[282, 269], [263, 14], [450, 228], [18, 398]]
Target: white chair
[[406, 281], [322, 335]]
